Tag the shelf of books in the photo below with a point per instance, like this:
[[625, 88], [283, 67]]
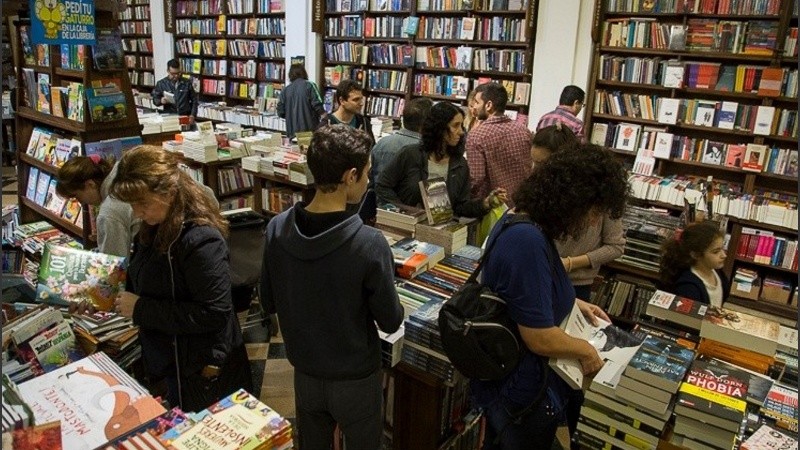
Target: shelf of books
[[137, 43], [401, 49], [702, 96], [74, 100], [234, 51]]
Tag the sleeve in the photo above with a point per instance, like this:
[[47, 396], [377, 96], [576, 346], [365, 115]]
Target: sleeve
[[314, 99], [390, 177], [463, 204], [580, 135], [158, 92], [205, 269], [380, 291], [365, 120], [477, 165], [113, 236], [612, 243], [282, 104]]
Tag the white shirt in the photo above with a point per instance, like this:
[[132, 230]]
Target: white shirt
[[714, 291]]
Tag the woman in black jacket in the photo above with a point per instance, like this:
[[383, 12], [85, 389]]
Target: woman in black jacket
[[440, 154], [179, 286]]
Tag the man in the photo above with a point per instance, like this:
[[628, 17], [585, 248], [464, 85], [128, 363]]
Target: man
[[569, 105], [499, 150], [350, 96], [414, 115], [300, 103], [184, 98], [331, 280]]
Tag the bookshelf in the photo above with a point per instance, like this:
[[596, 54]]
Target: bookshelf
[[681, 95], [266, 185], [234, 50], [401, 49], [225, 177], [137, 42], [47, 63]]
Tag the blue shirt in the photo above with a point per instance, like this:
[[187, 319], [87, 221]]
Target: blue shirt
[[387, 148], [538, 293]]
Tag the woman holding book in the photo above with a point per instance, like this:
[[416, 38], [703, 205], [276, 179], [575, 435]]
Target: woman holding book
[[691, 264], [439, 155], [179, 285], [566, 194]]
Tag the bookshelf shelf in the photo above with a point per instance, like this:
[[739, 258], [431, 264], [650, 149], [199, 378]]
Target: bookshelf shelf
[[57, 122], [765, 266], [41, 165], [644, 273], [279, 180], [51, 217], [765, 226]]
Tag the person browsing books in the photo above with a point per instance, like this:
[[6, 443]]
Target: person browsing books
[[691, 264], [569, 106], [179, 282], [602, 242], [176, 93], [300, 103], [331, 281], [573, 189], [439, 155]]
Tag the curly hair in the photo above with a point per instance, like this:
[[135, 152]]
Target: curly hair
[[435, 127], [150, 169], [677, 254], [580, 178]]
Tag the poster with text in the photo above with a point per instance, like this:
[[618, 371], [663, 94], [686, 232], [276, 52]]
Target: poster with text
[[62, 22]]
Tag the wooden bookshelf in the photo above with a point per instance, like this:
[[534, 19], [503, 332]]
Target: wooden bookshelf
[[263, 180], [137, 42], [362, 42], [610, 101]]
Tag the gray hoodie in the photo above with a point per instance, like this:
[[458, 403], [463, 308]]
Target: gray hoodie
[[329, 291]]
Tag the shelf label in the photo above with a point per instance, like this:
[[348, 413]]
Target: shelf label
[[62, 22]]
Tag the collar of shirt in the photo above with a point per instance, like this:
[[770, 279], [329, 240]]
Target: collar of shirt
[[565, 109], [496, 118], [409, 133]]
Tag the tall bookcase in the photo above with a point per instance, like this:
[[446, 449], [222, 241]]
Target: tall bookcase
[[401, 49], [687, 85], [28, 116], [137, 42], [234, 50]]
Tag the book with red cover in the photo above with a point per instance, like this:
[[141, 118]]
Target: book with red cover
[[713, 394], [37, 437]]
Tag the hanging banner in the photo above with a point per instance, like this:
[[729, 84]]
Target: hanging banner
[[169, 16], [62, 22], [318, 16]]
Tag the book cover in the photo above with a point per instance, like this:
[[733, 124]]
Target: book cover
[[663, 146], [768, 438], [781, 406], [94, 399], [106, 107], [107, 52], [69, 275], [743, 330], [627, 136], [727, 115], [33, 178], [713, 153], [436, 200], [467, 31], [55, 347], [46, 436], [735, 155], [754, 156], [41, 188], [464, 58], [599, 133], [758, 385], [673, 75], [668, 110], [660, 363], [764, 118], [682, 311], [713, 394], [108, 148], [611, 343], [43, 93]]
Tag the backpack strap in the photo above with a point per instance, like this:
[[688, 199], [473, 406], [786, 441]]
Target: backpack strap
[[507, 223]]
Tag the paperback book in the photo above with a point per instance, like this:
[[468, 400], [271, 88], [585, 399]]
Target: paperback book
[[436, 200]]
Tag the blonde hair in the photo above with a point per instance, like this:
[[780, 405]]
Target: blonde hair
[[150, 169]]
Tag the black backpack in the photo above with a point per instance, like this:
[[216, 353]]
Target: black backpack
[[478, 337]]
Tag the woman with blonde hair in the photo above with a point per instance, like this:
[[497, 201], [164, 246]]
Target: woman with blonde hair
[[179, 286]]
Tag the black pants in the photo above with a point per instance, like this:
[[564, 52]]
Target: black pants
[[199, 392]]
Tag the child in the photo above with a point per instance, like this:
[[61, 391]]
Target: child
[[691, 263]]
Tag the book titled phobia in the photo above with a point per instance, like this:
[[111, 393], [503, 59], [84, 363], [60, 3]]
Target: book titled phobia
[[69, 275]]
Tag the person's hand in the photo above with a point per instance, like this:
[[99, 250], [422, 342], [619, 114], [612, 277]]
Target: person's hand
[[84, 307], [590, 363], [164, 100], [125, 303], [497, 197], [592, 311]]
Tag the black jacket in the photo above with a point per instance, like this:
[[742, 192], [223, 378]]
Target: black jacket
[[362, 123], [691, 286], [399, 182], [300, 105], [184, 297], [185, 96]]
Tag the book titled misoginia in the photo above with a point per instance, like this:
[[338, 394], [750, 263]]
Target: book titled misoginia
[[611, 343], [95, 400], [436, 200], [68, 275]]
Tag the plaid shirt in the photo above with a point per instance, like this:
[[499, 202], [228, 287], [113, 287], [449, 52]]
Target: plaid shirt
[[564, 115], [499, 155]]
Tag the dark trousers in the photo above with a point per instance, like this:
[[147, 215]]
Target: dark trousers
[[355, 405]]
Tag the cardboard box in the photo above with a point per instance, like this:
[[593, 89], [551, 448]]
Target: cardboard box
[[746, 290], [775, 294]]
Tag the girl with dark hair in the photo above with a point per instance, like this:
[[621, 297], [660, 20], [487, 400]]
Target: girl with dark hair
[[300, 102], [691, 263], [179, 284], [439, 155], [565, 195]]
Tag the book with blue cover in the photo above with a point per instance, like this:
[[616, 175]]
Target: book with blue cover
[[660, 363]]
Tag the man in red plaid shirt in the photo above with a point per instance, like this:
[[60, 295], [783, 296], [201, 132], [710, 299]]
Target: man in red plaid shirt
[[499, 149], [569, 105]]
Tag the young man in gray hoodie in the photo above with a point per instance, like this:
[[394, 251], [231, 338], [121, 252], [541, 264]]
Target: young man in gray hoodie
[[330, 279]]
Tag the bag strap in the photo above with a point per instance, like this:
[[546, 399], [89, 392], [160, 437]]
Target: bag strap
[[507, 222]]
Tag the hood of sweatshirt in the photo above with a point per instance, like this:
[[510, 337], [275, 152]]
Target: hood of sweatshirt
[[312, 247]]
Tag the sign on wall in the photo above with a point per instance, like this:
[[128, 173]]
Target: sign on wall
[[169, 16], [62, 22]]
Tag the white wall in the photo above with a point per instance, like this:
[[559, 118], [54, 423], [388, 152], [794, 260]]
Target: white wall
[[300, 41], [163, 42]]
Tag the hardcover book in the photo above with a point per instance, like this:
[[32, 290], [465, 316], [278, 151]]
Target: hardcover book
[[68, 275], [107, 52], [678, 310], [768, 438], [436, 200]]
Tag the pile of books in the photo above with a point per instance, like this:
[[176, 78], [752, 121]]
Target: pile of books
[[110, 333], [645, 231], [400, 219]]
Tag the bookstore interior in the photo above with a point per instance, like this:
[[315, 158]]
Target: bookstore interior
[[697, 99]]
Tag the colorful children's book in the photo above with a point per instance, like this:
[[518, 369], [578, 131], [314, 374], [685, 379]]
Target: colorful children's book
[[107, 52], [68, 275]]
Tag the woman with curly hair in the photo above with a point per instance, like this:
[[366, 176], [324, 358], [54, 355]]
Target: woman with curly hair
[[564, 196], [179, 285], [440, 154], [691, 263]]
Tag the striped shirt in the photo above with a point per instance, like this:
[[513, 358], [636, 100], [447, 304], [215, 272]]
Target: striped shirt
[[564, 115]]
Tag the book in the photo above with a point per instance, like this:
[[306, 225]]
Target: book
[[659, 363], [768, 438], [714, 395], [69, 275], [467, 30], [611, 343], [436, 200], [781, 406], [758, 385], [742, 330], [627, 136], [107, 51], [37, 437], [673, 75], [679, 310], [764, 118], [94, 399], [734, 155], [55, 347], [668, 110], [43, 93], [754, 157]]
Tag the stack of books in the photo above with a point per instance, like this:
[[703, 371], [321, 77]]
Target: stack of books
[[680, 311], [400, 219], [413, 257], [110, 333], [451, 235], [780, 407], [768, 438], [15, 412], [645, 231]]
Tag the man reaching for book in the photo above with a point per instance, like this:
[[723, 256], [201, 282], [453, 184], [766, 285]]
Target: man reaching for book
[[176, 93]]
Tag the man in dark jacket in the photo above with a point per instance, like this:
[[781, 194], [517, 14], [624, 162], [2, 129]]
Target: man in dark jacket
[[350, 96], [181, 98], [300, 103], [331, 280]]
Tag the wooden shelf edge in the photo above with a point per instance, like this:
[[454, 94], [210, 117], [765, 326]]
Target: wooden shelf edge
[[39, 164], [51, 217], [235, 192], [633, 270], [765, 266], [277, 179]]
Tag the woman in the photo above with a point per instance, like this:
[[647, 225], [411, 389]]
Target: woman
[[601, 243], [439, 155], [179, 288], [574, 189], [691, 264], [88, 179], [300, 103], [471, 120]]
